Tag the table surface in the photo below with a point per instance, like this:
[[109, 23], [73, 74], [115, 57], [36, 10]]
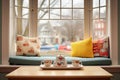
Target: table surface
[[36, 71]]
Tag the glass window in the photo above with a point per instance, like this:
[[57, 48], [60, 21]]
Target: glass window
[[61, 31], [102, 2], [103, 12], [95, 3], [43, 14], [43, 4], [25, 3], [66, 13], [55, 3], [66, 20], [22, 16], [99, 19], [100, 28], [78, 13], [54, 13], [22, 3], [66, 3], [78, 4], [25, 12], [60, 22], [96, 13]]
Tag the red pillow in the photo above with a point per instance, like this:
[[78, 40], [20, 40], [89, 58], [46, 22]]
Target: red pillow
[[101, 47]]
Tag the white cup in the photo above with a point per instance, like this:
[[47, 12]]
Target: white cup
[[47, 63], [76, 63]]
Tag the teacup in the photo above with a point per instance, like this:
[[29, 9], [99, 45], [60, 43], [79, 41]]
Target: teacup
[[76, 63], [47, 63]]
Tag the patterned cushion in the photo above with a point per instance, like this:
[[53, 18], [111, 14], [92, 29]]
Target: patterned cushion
[[101, 47], [27, 46]]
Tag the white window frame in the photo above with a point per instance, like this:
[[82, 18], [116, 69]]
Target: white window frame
[[113, 32]]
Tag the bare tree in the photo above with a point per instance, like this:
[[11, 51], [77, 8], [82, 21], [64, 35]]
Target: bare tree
[[74, 28], [20, 10]]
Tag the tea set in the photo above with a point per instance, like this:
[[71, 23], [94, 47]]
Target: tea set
[[60, 62]]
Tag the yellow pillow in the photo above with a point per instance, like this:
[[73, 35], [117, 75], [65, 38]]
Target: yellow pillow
[[82, 48]]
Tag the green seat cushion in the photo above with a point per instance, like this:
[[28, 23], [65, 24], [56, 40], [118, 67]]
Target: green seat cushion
[[33, 60], [28, 60], [91, 61]]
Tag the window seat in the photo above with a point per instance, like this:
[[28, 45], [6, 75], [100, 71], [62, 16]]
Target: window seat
[[33, 60]]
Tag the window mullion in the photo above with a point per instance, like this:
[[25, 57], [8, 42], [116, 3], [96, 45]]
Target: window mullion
[[99, 9], [72, 10], [90, 17], [107, 18], [49, 9], [19, 20], [60, 9], [33, 18], [87, 17]]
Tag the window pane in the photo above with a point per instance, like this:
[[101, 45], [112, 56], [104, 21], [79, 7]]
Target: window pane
[[43, 14], [66, 3], [78, 30], [78, 3], [43, 3], [66, 14], [96, 13], [55, 3], [78, 13], [22, 13], [73, 29], [22, 16], [25, 26], [22, 3], [40, 3], [25, 3], [60, 33], [95, 3], [25, 12], [103, 12], [99, 28], [102, 2], [54, 13]]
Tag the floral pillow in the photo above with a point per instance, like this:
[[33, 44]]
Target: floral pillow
[[101, 47], [27, 46]]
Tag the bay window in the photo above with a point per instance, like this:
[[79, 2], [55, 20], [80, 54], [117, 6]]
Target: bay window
[[57, 23]]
